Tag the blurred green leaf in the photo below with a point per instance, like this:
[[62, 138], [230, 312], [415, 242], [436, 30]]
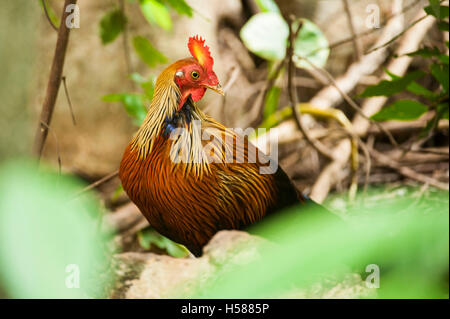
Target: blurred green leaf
[[111, 25], [180, 6], [51, 13], [398, 236], [267, 6], [147, 85], [401, 110], [416, 88], [441, 74], [388, 88], [271, 102], [147, 52], [132, 102], [312, 44], [443, 26], [265, 34], [47, 238], [155, 12], [442, 110], [438, 11], [426, 52], [148, 237], [419, 90]]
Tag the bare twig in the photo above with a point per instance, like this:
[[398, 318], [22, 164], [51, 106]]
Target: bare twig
[[97, 183], [258, 105], [48, 16], [368, 32], [58, 154], [68, 100], [356, 43], [352, 103], [292, 90], [329, 176], [406, 171], [53, 83], [231, 79], [397, 36], [125, 40]]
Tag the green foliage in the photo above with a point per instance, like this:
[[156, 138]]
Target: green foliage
[[149, 237], [111, 25], [389, 88], [437, 101], [51, 13], [147, 52], [401, 110], [267, 6], [156, 13], [271, 102], [312, 44], [440, 72], [265, 34], [132, 102], [407, 238], [45, 235], [436, 10], [180, 6]]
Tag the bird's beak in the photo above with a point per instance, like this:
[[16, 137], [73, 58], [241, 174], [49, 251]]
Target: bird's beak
[[217, 88]]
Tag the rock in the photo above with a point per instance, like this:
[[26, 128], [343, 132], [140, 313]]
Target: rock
[[148, 275]]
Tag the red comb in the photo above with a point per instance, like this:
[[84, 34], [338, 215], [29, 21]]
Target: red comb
[[200, 52]]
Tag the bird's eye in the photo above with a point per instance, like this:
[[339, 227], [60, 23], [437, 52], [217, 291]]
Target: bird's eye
[[195, 75]]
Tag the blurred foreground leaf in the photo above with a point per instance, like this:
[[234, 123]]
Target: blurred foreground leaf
[[50, 246], [407, 239]]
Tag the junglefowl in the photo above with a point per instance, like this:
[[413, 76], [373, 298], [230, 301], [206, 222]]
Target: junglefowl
[[185, 185]]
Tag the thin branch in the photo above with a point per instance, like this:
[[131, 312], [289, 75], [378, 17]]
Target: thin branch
[[125, 40], [292, 90], [48, 16], [406, 171], [53, 83], [231, 80], [352, 103], [356, 44], [57, 147], [97, 183], [368, 32], [68, 100], [258, 105], [397, 36]]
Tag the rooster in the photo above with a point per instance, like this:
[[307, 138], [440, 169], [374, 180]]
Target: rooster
[[185, 184]]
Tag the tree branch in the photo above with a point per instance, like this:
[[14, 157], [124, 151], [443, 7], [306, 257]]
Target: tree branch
[[53, 83]]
